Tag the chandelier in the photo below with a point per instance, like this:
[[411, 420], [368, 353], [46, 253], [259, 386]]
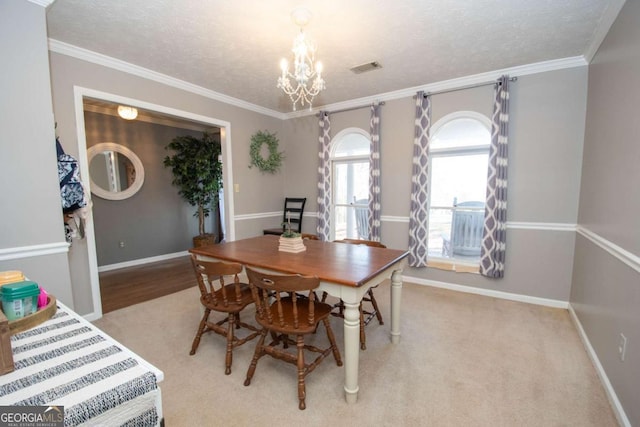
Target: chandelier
[[305, 81]]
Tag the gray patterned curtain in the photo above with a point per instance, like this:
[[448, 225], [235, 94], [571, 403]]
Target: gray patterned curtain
[[374, 174], [419, 213], [495, 218], [324, 178]]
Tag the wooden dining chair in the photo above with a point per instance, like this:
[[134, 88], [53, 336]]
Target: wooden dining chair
[[366, 314], [230, 299], [286, 306]]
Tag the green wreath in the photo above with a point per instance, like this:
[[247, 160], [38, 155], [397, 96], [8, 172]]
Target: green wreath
[[270, 164]]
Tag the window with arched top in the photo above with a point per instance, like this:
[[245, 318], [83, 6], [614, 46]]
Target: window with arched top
[[458, 162], [350, 184]]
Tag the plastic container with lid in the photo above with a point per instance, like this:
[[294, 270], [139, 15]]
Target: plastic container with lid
[[19, 299]]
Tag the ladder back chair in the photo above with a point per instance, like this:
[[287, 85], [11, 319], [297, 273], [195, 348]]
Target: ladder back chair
[[293, 211], [366, 314], [286, 306], [227, 298]]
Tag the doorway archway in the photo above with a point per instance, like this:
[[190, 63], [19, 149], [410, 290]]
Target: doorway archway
[[80, 95]]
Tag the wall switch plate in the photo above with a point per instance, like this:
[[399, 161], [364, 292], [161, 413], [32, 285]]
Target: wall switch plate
[[622, 347]]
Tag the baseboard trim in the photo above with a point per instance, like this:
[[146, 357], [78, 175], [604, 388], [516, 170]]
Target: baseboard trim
[[604, 379], [141, 261], [91, 317], [32, 251], [488, 292]]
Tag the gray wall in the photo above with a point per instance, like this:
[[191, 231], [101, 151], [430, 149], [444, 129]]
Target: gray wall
[[605, 293], [154, 221], [545, 152], [32, 236]]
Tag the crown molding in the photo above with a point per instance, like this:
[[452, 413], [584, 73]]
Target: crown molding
[[609, 17], [522, 70], [107, 61], [116, 64]]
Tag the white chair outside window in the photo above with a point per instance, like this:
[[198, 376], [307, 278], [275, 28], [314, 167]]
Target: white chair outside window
[[467, 223]]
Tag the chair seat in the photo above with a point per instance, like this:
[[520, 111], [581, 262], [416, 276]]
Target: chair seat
[[320, 309]]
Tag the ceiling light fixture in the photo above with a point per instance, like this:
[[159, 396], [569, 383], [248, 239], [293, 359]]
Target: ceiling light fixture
[[305, 71], [127, 113]]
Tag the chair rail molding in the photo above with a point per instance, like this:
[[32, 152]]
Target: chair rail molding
[[516, 225], [32, 251], [623, 255]]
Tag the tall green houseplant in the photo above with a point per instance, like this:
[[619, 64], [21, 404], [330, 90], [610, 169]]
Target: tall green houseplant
[[197, 172]]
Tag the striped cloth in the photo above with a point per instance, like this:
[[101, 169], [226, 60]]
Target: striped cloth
[[69, 362]]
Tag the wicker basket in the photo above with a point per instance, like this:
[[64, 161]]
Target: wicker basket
[[32, 320]]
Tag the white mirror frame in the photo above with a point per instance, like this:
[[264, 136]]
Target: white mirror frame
[[135, 160]]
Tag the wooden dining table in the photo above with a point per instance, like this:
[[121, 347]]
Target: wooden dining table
[[345, 271]]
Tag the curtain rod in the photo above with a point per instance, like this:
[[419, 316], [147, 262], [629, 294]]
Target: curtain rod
[[437, 92], [351, 108]]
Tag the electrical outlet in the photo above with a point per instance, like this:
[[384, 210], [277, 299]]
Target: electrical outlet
[[121, 244], [622, 347]]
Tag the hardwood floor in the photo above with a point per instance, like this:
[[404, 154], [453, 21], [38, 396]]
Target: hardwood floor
[[132, 285]]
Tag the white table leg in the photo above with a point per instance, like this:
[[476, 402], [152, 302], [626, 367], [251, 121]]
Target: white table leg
[[396, 293], [351, 350]]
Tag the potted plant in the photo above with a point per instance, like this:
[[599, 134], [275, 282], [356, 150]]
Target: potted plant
[[197, 172]]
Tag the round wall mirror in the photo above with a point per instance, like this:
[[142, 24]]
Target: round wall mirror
[[115, 172]]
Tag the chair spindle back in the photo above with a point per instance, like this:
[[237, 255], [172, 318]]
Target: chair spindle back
[[271, 293], [211, 281]]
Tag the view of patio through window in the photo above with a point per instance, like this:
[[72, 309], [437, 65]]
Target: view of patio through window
[[350, 185], [459, 155]]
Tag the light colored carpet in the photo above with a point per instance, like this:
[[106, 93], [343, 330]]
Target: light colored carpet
[[463, 360]]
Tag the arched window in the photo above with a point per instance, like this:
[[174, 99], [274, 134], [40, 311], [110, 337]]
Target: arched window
[[350, 184], [458, 161]]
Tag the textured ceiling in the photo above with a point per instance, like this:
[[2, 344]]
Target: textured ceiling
[[234, 47]]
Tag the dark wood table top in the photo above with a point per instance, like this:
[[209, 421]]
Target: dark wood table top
[[342, 263]]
